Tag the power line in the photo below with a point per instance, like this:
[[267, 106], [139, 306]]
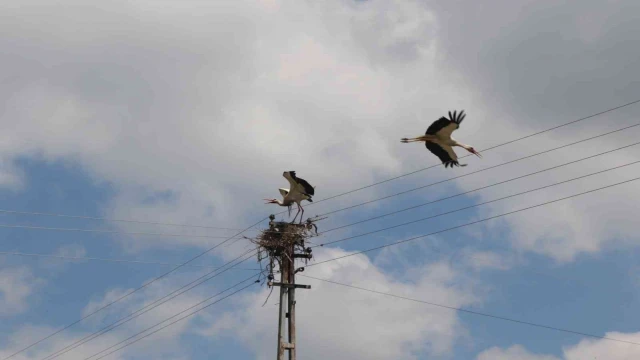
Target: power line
[[478, 171], [472, 173], [148, 307], [173, 322], [477, 205], [131, 292], [348, 225], [467, 155], [482, 188], [317, 201], [484, 150], [373, 218], [470, 223], [474, 312], [16, 212], [30, 227], [332, 197], [441, 231], [83, 258]]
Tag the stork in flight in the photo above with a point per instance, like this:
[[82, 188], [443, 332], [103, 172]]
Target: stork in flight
[[438, 139], [298, 191]]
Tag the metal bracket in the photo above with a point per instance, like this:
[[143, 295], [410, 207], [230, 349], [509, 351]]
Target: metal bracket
[[303, 256], [289, 286]]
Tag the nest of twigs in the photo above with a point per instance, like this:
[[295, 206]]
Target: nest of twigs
[[282, 239]]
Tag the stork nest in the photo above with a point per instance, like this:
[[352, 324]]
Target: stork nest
[[282, 239]]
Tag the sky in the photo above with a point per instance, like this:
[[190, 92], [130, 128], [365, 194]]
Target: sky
[[187, 112]]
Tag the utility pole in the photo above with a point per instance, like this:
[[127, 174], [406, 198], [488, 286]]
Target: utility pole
[[285, 244]]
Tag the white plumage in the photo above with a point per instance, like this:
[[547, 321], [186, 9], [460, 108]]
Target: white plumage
[[438, 139], [299, 190]]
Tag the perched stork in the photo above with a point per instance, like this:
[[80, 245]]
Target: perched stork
[[438, 139], [298, 191]]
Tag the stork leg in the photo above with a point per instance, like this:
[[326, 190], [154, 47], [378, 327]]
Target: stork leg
[[294, 218], [301, 215], [419, 138]]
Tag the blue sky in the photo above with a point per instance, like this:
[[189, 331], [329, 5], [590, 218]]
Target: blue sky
[[188, 113]]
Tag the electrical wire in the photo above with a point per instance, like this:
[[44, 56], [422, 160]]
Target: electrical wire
[[479, 171], [477, 205], [457, 309], [318, 201], [199, 281], [332, 197], [83, 258], [8, 211], [129, 293], [483, 150], [173, 322], [339, 227], [431, 234], [470, 223], [481, 188], [444, 306]]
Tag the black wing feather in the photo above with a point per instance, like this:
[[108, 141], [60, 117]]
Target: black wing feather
[[444, 122], [442, 154], [457, 118], [308, 189], [437, 126]]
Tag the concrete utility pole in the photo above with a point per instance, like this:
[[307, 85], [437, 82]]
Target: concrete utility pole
[[286, 257]]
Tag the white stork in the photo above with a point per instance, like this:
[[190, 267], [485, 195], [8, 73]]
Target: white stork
[[439, 141], [298, 191]]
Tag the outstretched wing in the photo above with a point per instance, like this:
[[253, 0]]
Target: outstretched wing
[[443, 127], [283, 192], [291, 177], [444, 152], [299, 184], [438, 125], [306, 187]]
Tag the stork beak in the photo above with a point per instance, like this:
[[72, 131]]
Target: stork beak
[[268, 201]]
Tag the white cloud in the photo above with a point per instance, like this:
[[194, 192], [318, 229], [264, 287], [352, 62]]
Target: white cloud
[[150, 124], [17, 285], [488, 260], [10, 176], [192, 110], [585, 349], [341, 323], [29, 334], [164, 344], [604, 349], [515, 352]]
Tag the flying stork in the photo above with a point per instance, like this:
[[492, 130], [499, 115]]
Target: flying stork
[[438, 139], [298, 191]]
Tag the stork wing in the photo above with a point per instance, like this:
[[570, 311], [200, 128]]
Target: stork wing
[[446, 131], [444, 152], [300, 185], [290, 176], [443, 127], [306, 188], [283, 192], [438, 125]]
